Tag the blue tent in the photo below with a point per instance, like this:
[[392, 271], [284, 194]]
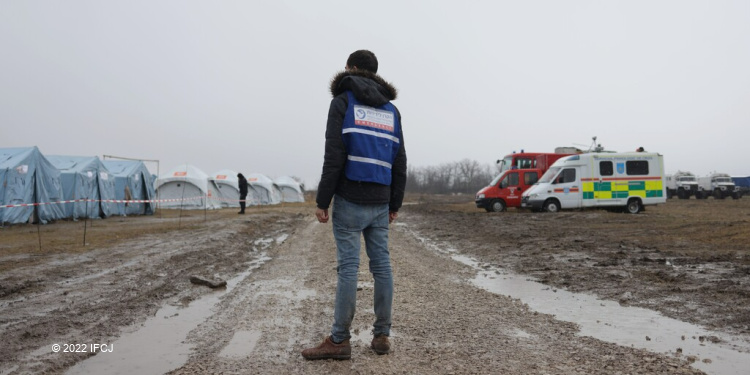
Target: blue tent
[[134, 175], [85, 177], [27, 177]]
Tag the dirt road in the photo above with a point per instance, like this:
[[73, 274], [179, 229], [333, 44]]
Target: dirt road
[[129, 288]]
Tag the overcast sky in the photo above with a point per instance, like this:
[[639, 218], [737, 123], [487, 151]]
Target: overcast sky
[[243, 85]]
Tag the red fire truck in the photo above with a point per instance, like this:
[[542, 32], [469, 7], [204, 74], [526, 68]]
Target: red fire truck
[[518, 171]]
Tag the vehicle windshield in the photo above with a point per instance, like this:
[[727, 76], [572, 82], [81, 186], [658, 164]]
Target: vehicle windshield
[[549, 175], [496, 179], [722, 179], [686, 179], [505, 164]]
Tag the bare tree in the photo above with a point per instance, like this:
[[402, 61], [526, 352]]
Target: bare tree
[[465, 176], [467, 170]]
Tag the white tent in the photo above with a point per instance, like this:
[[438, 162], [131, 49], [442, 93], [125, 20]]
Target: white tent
[[291, 191], [262, 190], [187, 187], [229, 191]]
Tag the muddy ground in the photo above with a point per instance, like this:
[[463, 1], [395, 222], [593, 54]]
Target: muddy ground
[[688, 260]]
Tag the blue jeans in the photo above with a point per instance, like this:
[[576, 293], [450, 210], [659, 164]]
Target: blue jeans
[[349, 221]]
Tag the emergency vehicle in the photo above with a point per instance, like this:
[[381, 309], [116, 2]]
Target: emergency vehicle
[[629, 181], [533, 160], [518, 171], [505, 190]]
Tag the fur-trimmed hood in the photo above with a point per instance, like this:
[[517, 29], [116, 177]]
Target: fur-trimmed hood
[[369, 88]]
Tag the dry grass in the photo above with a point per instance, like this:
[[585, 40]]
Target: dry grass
[[27, 243]]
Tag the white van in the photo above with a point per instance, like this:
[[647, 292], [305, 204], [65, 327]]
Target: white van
[[628, 180]]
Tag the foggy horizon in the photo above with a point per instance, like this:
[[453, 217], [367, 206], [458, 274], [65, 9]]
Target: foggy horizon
[[245, 85]]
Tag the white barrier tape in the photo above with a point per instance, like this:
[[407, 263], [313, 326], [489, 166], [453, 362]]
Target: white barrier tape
[[231, 200], [127, 201], [100, 200]]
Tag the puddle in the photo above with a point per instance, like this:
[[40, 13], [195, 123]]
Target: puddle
[[159, 345], [627, 326], [264, 243], [241, 345]]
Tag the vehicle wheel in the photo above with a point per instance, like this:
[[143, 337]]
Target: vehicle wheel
[[634, 206], [698, 195], [717, 194], [497, 205], [682, 194], [736, 196], [551, 206]]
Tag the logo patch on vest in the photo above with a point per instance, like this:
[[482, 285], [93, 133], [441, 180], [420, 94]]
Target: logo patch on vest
[[373, 118]]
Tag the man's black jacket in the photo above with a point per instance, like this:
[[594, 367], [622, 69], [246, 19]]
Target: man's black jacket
[[372, 90]]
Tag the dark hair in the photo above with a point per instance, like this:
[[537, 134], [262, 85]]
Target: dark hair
[[363, 59]]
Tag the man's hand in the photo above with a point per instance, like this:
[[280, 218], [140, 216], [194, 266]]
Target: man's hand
[[392, 217], [322, 215]]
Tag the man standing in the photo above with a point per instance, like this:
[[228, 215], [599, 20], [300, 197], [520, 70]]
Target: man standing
[[365, 168], [242, 184]]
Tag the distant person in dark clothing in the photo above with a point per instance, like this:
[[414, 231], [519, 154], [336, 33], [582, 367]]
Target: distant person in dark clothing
[[242, 184]]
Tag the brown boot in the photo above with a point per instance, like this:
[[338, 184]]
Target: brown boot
[[329, 350], [380, 344]]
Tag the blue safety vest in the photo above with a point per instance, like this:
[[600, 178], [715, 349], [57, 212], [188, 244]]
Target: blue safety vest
[[371, 139]]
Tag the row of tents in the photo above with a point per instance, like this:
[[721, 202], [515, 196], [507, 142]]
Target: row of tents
[[41, 187], [186, 186], [52, 187]]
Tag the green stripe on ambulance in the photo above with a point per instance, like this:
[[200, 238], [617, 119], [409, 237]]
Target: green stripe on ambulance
[[622, 189]]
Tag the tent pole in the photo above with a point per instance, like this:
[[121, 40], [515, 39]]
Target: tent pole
[[158, 201], [35, 211], [5, 183], [39, 232], [184, 183], [85, 220], [97, 195]]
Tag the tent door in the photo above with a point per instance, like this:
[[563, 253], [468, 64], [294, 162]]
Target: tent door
[[145, 207]]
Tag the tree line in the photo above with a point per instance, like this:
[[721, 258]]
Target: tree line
[[465, 176]]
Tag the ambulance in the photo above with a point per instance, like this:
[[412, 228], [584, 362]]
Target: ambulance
[[628, 181]]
